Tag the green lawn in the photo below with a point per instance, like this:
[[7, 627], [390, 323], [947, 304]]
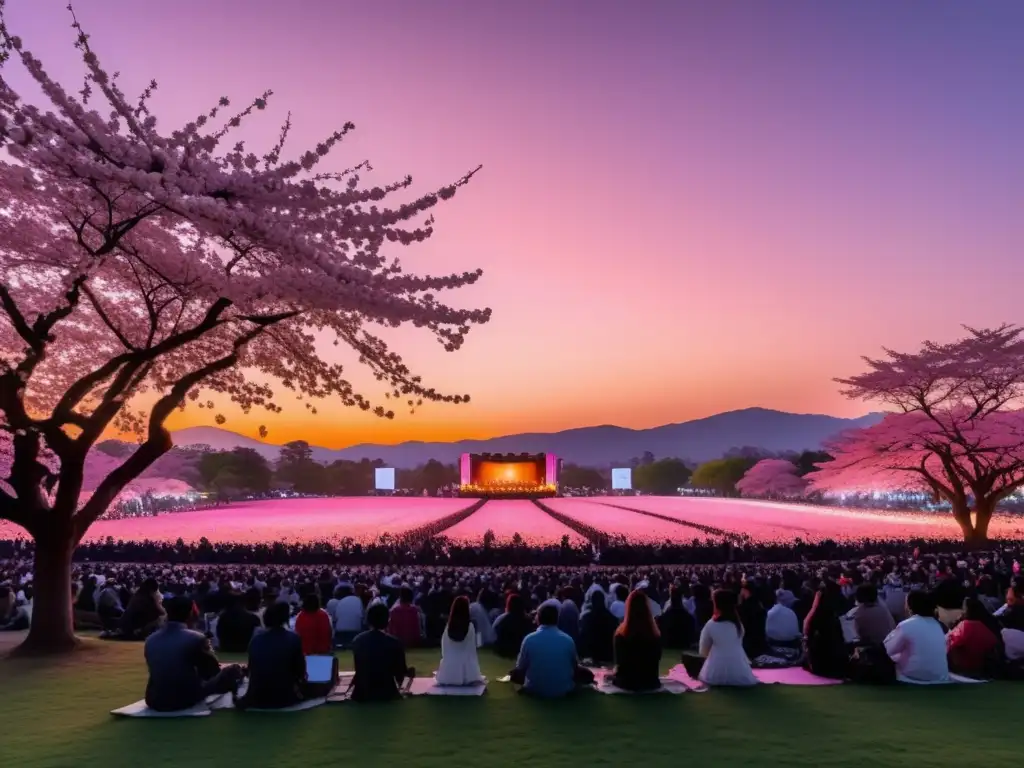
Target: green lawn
[[56, 714]]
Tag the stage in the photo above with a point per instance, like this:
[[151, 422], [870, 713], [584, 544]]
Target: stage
[[509, 476]]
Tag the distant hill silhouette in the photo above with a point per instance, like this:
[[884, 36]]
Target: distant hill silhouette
[[602, 446]]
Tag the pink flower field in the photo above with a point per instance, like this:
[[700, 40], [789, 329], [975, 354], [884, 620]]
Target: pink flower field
[[289, 520], [619, 522], [772, 521], [507, 518]]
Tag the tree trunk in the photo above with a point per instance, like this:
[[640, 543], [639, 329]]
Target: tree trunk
[[975, 531], [53, 628]]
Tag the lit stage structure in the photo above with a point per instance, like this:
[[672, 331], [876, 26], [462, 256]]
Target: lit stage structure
[[509, 475]]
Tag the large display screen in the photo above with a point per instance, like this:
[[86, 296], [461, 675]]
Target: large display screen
[[384, 478], [622, 479]]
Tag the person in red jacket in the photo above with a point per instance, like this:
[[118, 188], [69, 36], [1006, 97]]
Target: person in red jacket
[[970, 642], [404, 621], [313, 626]]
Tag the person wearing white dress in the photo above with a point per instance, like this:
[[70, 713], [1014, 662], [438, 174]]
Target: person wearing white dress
[[459, 663], [721, 645]]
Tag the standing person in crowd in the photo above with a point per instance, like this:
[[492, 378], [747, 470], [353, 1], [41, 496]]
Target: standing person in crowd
[[379, 660], [823, 633], [459, 662], [313, 626], [637, 647], [547, 665], [512, 626], [918, 645], [597, 631], [721, 645], [183, 669]]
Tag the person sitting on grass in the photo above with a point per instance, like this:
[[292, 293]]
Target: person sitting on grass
[[459, 662], [313, 626], [678, 628], [547, 665], [972, 644], [1011, 616], [781, 626], [183, 669], [597, 631], [512, 626], [637, 647], [823, 634], [721, 645], [406, 620], [13, 616], [872, 621], [145, 612], [236, 626], [918, 645], [379, 660]]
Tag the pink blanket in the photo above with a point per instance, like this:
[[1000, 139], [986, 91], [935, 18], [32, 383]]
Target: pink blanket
[[792, 676]]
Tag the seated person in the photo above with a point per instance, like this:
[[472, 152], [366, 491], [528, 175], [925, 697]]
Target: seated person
[[971, 643], [183, 669], [481, 620], [721, 645], [109, 606], [13, 616], [1012, 615], [597, 631], [753, 617], [823, 634], [145, 612], [379, 660], [406, 621], [236, 626], [459, 662], [781, 626], [277, 665], [872, 621], [511, 627], [918, 644], [677, 626], [637, 647], [313, 626], [347, 613], [547, 664]]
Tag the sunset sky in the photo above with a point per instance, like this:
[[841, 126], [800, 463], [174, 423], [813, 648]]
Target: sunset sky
[[685, 207]]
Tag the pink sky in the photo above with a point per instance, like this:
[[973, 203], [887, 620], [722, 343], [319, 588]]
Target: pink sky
[[684, 209]]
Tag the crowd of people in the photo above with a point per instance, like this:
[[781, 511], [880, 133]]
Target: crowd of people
[[905, 613]]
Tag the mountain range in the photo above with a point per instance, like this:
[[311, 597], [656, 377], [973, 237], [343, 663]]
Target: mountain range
[[601, 446]]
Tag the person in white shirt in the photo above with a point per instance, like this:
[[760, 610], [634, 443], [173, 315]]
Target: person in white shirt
[[618, 605], [781, 625], [459, 663], [347, 615], [918, 645]]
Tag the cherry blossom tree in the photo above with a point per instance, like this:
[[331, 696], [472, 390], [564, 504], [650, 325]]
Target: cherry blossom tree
[[772, 477], [172, 263], [957, 431]]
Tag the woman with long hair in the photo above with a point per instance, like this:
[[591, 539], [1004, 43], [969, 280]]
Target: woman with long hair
[[459, 662], [824, 643], [721, 645], [637, 647]]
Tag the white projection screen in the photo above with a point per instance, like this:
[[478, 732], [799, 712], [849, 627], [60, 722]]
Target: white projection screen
[[622, 479], [384, 478]]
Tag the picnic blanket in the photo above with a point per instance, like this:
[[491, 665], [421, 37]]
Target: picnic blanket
[[427, 686], [792, 676], [139, 709], [953, 679], [668, 685]]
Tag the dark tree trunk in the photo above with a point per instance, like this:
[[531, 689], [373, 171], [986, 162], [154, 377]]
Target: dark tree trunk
[[975, 529], [53, 628]]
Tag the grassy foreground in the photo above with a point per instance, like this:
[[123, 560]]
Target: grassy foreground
[[56, 714]]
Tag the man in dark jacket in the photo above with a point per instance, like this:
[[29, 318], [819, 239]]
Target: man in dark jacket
[[277, 667], [183, 669], [379, 660]]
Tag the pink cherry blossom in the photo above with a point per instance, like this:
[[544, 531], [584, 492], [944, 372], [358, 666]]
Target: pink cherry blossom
[[772, 477]]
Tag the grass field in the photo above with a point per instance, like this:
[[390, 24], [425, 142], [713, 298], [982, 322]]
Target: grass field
[[56, 714]]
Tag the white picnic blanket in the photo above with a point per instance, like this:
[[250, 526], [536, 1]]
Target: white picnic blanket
[[668, 685], [952, 679], [139, 709], [427, 686]]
